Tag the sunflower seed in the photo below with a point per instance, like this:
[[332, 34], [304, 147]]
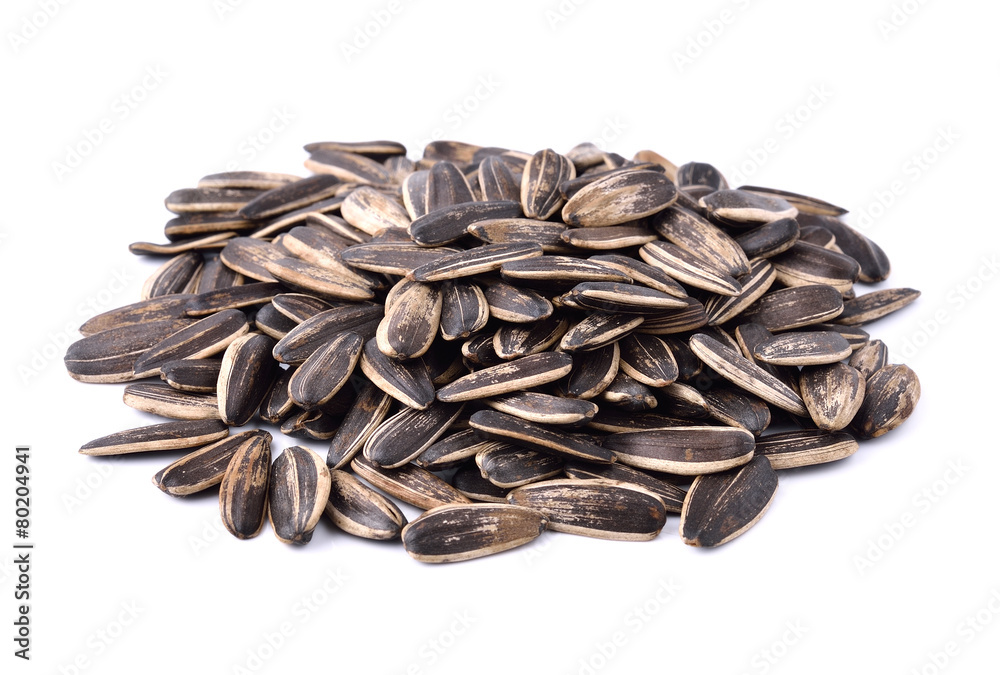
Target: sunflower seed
[[804, 204], [376, 150], [642, 273], [544, 408], [855, 336], [316, 331], [871, 306], [546, 234], [392, 257], [870, 358], [700, 174], [165, 401], [628, 394], [563, 269], [208, 200], [688, 268], [462, 532], [804, 264], [289, 197], [272, 323], [165, 436], [249, 257], [326, 370], [255, 180], [231, 298], [597, 330], [746, 375], [402, 437], [245, 377], [372, 211], [608, 238], [749, 336], [298, 489], [595, 508], [173, 276], [891, 394], [722, 308], [746, 209], [720, 507], [277, 405], [686, 451], [737, 409], [244, 488], [447, 186], [186, 226], [206, 467], [796, 307], [479, 351], [544, 172], [512, 341], [415, 193], [206, 337], [310, 278], [593, 371], [513, 304], [449, 223], [503, 427], [299, 307], [510, 467], [832, 394], [346, 166], [359, 510], [701, 238], [453, 450], [805, 348], [411, 322], [497, 181], [690, 317], [874, 264], [145, 311], [671, 495], [487, 258], [192, 375], [464, 310], [408, 382], [108, 356], [818, 236], [792, 449], [409, 483], [648, 359], [517, 375], [619, 197], [769, 239], [470, 482]]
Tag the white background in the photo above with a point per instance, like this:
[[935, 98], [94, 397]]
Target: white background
[[837, 100]]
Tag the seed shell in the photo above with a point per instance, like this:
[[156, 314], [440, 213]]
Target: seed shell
[[694, 234], [688, 268], [244, 488], [165, 401], [720, 507], [503, 427], [409, 483], [205, 337], [298, 490], [359, 510], [794, 449], [462, 532], [804, 348], [245, 377], [685, 451], [164, 436], [620, 197], [108, 356], [404, 436], [450, 223], [517, 375], [671, 495], [327, 369], [832, 394], [871, 306], [510, 467], [544, 172], [890, 397], [487, 258], [408, 382], [193, 375], [205, 467], [411, 321], [542, 408]]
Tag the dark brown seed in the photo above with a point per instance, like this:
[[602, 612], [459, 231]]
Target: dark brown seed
[[701, 174], [376, 150], [792, 449], [298, 306], [737, 409], [497, 182], [245, 377], [688, 268], [648, 359], [701, 238], [321, 248], [514, 304], [479, 351], [326, 370], [367, 411], [289, 197], [608, 238], [402, 437], [819, 236], [796, 307], [399, 258], [145, 311], [310, 278], [359, 510], [720, 507], [512, 341], [277, 404], [642, 273], [231, 298], [684, 401], [890, 397], [409, 483], [453, 450], [447, 186], [173, 276], [870, 358], [456, 532], [598, 330], [165, 401], [500, 426], [206, 337], [411, 321], [626, 393], [190, 225], [216, 276], [208, 200], [855, 336], [346, 166], [372, 211], [563, 269], [683, 320], [546, 234], [316, 331], [595, 508], [593, 371], [464, 310], [470, 482], [297, 494], [165, 436], [871, 306], [805, 264], [475, 261], [272, 323], [544, 408], [249, 257], [255, 180], [686, 451], [415, 193], [748, 337], [874, 264], [108, 356], [805, 348], [722, 308], [544, 172], [671, 495], [205, 467], [746, 209], [408, 382], [619, 197], [510, 467], [192, 375], [746, 375], [832, 394], [769, 239], [449, 223], [520, 374], [244, 487]]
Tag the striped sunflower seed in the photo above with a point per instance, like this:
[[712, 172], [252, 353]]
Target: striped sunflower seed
[[891, 394], [409, 483], [165, 436], [688, 268], [318, 330], [470, 482], [359, 510], [832, 394], [514, 304], [409, 382], [411, 322], [517, 375], [685, 451], [109, 356], [618, 198], [769, 239], [697, 236], [367, 411], [327, 369], [593, 371], [453, 533], [544, 408], [503, 427], [244, 488], [671, 495], [452, 451], [165, 401], [793, 449], [245, 377], [488, 258], [648, 359], [194, 375], [205, 337], [510, 467], [403, 437], [871, 306], [870, 358], [628, 393], [720, 507], [795, 307], [544, 172], [206, 467], [740, 208], [450, 223], [805, 348], [298, 489], [371, 211]]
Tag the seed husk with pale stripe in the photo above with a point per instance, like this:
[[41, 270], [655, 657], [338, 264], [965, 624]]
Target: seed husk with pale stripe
[[563, 269], [795, 307], [871, 306], [452, 451], [209, 200], [447, 186], [803, 203], [517, 375], [737, 409], [327, 369], [503, 427], [497, 181], [164, 308], [722, 308], [620, 197], [256, 180], [289, 197], [299, 306], [542, 408], [807, 447], [165, 401], [543, 174], [855, 336], [615, 421], [622, 298], [272, 323], [244, 487], [514, 304], [109, 356], [593, 371], [205, 337], [512, 341], [316, 331], [310, 278], [192, 375], [409, 382], [399, 258], [486, 258], [205, 467], [701, 174], [804, 348], [769, 239], [608, 238], [671, 495], [188, 225], [545, 233], [746, 375], [690, 317], [173, 276], [688, 268], [450, 223], [642, 273], [685, 451], [245, 377], [891, 394], [595, 508], [371, 211], [216, 276], [377, 150], [468, 480], [348, 167], [366, 413], [691, 232], [277, 405], [409, 483], [404, 436], [235, 297], [805, 264], [510, 466], [720, 507], [874, 263], [298, 489], [462, 532], [411, 321], [464, 310], [479, 350], [599, 329], [746, 209], [627, 393], [359, 510], [832, 394], [870, 358], [164, 436], [647, 359], [249, 257]]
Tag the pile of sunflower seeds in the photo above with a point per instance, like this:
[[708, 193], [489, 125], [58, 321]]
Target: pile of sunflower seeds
[[512, 342]]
